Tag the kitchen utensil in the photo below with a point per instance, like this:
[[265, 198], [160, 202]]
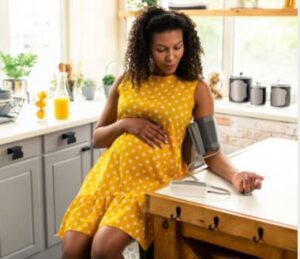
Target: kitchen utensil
[[5, 94], [258, 94], [280, 94], [239, 88], [10, 109], [5, 99]]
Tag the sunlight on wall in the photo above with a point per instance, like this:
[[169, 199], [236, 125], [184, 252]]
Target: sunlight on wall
[[93, 36]]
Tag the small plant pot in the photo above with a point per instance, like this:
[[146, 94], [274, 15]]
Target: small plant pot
[[106, 89], [17, 87], [89, 92]]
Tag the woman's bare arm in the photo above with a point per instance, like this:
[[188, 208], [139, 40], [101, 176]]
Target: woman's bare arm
[[220, 163], [108, 128]]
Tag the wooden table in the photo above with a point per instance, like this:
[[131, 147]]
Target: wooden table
[[262, 225]]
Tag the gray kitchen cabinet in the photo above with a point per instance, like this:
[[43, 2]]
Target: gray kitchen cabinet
[[38, 180], [65, 169], [21, 214]]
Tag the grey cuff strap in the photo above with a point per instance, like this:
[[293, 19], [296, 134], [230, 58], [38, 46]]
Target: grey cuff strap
[[204, 136]]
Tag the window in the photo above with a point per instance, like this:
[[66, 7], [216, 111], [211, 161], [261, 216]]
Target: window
[[266, 50], [35, 26], [263, 48], [210, 32]]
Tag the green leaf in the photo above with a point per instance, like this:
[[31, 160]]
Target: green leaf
[[19, 66], [108, 79]]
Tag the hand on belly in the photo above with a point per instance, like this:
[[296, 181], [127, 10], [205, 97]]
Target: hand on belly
[[148, 131]]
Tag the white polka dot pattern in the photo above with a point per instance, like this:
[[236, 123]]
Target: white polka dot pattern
[[113, 192]]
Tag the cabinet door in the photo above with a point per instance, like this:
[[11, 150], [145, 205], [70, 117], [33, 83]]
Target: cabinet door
[[97, 153], [21, 233], [64, 173]]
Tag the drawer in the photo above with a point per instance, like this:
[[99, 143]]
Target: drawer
[[19, 150], [66, 138]]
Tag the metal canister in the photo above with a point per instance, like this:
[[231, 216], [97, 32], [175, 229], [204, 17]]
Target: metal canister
[[280, 94], [258, 94], [239, 88]]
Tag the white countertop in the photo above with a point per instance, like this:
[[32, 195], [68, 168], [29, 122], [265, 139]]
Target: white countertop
[[26, 126], [268, 112], [277, 201], [84, 112]]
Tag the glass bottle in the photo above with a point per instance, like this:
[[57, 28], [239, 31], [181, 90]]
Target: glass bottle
[[61, 99]]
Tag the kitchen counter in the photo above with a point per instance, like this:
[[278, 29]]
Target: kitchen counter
[[268, 112], [26, 126], [84, 112]]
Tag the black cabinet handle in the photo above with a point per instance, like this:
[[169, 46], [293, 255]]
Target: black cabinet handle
[[86, 148], [69, 136], [16, 152]]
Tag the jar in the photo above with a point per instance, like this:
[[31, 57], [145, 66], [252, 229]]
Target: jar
[[239, 88], [61, 99], [280, 94], [258, 94]]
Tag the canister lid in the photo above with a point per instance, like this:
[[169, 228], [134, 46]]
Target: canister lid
[[240, 76], [258, 85], [281, 83]]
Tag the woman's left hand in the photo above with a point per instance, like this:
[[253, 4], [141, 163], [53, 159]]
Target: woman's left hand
[[246, 182]]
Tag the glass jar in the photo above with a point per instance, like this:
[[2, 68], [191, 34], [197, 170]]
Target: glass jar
[[61, 98]]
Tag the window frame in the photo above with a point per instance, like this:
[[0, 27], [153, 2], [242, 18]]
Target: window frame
[[228, 53], [5, 39]]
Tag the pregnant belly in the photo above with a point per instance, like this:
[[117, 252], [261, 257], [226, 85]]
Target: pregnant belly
[[138, 159]]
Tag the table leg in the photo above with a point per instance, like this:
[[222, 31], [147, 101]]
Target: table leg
[[166, 241]]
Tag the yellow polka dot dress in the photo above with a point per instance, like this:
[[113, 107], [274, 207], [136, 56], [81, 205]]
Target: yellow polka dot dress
[[113, 192]]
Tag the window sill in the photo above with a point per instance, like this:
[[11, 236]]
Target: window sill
[[266, 112]]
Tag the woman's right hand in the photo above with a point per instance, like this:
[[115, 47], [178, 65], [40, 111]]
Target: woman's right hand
[[148, 131]]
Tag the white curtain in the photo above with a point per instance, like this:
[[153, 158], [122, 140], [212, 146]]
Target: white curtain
[[93, 37]]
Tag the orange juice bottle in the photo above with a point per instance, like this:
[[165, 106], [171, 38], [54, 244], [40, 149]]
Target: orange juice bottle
[[61, 99]]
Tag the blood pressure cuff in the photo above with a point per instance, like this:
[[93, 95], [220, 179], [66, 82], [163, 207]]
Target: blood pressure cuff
[[204, 136]]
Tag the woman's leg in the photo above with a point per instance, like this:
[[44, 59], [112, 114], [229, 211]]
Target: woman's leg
[[76, 245], [109, 243]]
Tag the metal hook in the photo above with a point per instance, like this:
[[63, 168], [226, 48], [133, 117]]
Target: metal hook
[[260, 232], [215, 225], [178, 212]]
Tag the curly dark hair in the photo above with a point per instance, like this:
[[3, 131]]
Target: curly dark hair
[[138, 56]]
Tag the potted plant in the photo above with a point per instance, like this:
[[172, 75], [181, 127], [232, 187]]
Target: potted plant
[[108, 81], [139, 4], [89, 89], [16, 68]]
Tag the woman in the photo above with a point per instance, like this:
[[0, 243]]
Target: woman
[[143, 125]]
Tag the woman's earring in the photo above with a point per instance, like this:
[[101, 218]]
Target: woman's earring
[[151, 64]]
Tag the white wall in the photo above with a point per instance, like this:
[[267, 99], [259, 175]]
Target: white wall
[[93, 35], [4, 32]]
